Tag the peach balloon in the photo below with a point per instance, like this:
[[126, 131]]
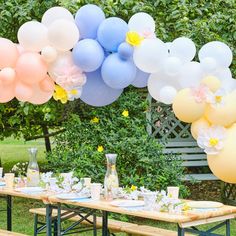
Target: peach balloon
[[223, 164], [186, 108], [31, 68], [212, 82], [23, 92], [39, 96], [199, 125], [6, 92], [8, 53], [47, 84], [20, 49], [7, 75], [225, 114]]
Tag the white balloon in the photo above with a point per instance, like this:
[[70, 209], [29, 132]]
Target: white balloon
[[32, 36], [183, 48], [149, 55], [63, 34], [172, 66], [217, 50], [167, 94], [208, 64], [222, 74], [56, 13], [191, 74], [142, 22], [229, 85], [49, 54]]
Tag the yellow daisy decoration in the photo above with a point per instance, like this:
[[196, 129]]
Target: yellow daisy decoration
[[95, 120], [100, 149], [133, 188], [125, 113], [133, 38], [60, 94]]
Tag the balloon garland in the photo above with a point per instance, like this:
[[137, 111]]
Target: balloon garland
[[94, 58]]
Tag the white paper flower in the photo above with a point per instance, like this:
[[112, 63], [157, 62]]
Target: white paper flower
[[217, 98], [212, 139]]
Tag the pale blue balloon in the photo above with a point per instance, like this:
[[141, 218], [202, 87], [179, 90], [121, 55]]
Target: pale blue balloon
[[141, 79], [88, 18], [96, 92], [125, 51], [112, 32], [88, 55], [118, 73]]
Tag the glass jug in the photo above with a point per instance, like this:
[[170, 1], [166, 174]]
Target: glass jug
[[33, 169]]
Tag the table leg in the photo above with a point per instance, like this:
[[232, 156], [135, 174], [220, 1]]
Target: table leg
[[59, 219], [49, 220], [180, 231], [227, 227], [9, 213], [105, 223]]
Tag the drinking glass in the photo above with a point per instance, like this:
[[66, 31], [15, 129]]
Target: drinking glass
[[9, 180], [95, 189]]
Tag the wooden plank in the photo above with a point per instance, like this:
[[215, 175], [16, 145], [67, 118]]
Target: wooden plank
[[199, 177], [194, 163], [207, 221], [9, 233]]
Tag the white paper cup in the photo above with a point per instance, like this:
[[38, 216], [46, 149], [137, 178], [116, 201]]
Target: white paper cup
[[87, 182], [173, 192], [95, 189], [149, 200], [9, 180], [1, 172]]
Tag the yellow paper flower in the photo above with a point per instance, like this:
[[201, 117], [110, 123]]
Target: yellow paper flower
[[60, 94], [100, 149], [125, 113], [73, 92], [133, 38], [133, 188], [95, 120]]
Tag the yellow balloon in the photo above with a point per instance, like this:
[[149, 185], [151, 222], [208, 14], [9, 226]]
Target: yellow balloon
[[198, 125], [223, 165], [212, 82], [225, 114], [186, 108]]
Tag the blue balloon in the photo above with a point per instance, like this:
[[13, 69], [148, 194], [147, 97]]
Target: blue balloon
[[88, 18], [112, 32], [88, 55], [96, 92], [141, 79], [118, 73], [125, 51]]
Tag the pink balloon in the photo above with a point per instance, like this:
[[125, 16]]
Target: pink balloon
[[30, 68], [7, 75], [23, 92], [39, 97], [6, 92], [20, 49], [8, 53], [47, 84]]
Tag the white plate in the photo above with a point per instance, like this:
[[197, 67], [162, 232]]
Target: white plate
[[204, 204], [2, 184], [70, 196], [30, 189], [127, 203]]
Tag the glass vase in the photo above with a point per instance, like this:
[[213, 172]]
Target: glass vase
[[33, 169], [111, 182]]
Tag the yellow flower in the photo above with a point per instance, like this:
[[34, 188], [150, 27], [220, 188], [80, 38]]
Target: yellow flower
[[95, 120], [60, 94], [186, 207], [133, 188], [125, 113], [100, 149], [213, 142], [133, 38]]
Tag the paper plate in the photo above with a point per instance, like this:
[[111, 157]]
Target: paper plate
[[127, 203], [204, 204], [2, 184], [70, 196], [30, 189]]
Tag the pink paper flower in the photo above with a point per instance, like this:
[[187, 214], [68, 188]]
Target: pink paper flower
[[200, 93]]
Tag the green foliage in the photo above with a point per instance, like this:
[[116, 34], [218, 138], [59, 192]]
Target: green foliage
[[140, 159]]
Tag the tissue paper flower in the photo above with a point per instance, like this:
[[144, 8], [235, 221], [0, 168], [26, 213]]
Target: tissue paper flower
[[60, 94], [75, 93], [212, 139], [200, 93], [133, 38], [217, 98]]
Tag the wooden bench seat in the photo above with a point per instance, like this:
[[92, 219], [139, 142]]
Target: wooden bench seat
[[9, 233], [118, 226]]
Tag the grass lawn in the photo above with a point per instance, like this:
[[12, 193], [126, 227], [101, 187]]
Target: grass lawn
[[13, 151]]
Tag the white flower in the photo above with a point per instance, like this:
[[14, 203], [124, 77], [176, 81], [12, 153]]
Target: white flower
[[212, 139], [217, 98]]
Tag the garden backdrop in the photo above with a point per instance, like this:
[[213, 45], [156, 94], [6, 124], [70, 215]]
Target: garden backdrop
[[76, 136]]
